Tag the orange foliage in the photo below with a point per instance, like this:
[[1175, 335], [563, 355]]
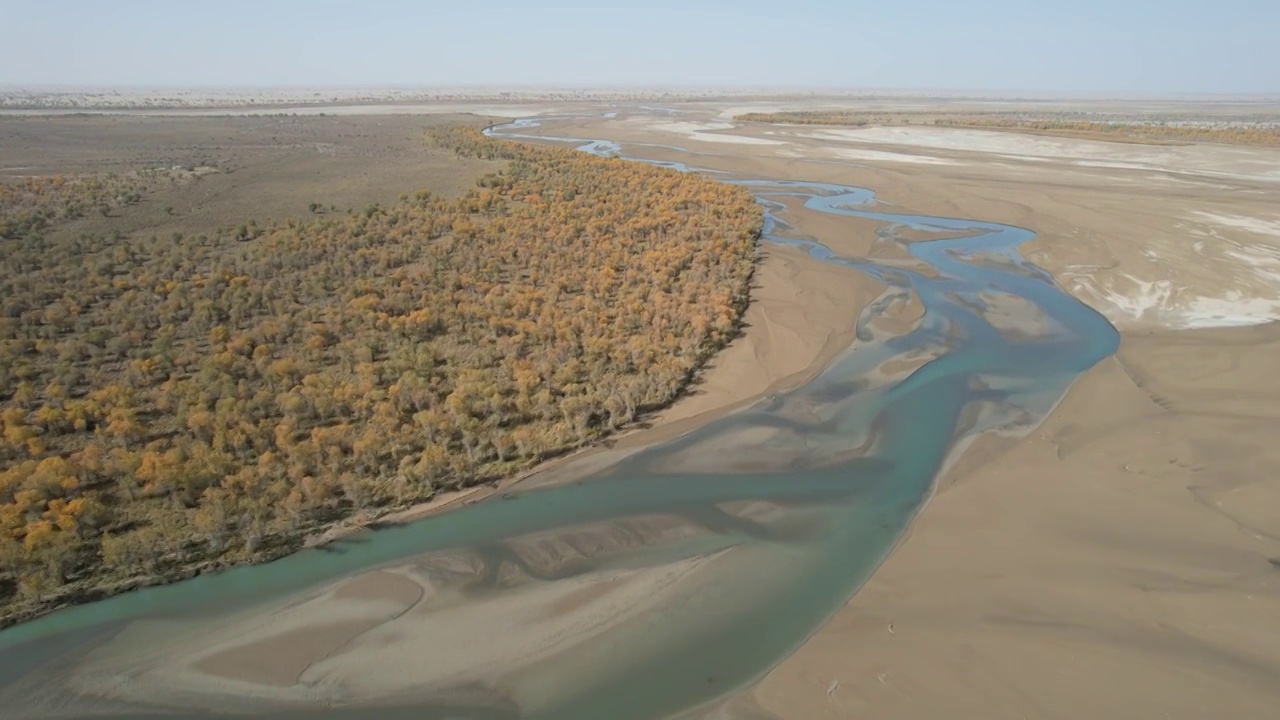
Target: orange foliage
[[169, 402]]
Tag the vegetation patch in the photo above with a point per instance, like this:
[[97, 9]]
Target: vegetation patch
[[174, 404]]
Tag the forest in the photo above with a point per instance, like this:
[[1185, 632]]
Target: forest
[[1254, 131], [176, 404]]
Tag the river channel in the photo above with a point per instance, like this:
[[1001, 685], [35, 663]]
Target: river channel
[[789, 505]]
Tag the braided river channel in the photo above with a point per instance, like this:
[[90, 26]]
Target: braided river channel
[[765, 521]]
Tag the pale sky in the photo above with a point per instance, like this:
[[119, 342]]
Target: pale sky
[[1114, 46]]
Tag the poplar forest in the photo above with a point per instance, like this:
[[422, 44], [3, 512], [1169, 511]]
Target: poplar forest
[[176, 404]]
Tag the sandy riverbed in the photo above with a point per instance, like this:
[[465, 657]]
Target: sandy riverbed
[[1121, 561]]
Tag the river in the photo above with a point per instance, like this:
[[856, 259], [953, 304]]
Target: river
[[794, 500]]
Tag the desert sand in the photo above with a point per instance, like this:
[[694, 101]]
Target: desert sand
[[1120, 561]]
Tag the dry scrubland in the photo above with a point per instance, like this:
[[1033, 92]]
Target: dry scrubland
[[187, 386]]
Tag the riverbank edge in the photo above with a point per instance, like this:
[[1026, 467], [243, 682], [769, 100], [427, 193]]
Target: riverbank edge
[[275, 547]]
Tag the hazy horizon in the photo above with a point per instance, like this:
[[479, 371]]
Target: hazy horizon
[[1091, 47]]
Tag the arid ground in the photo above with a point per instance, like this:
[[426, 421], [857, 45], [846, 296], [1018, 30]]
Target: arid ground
[[1121, 561]]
